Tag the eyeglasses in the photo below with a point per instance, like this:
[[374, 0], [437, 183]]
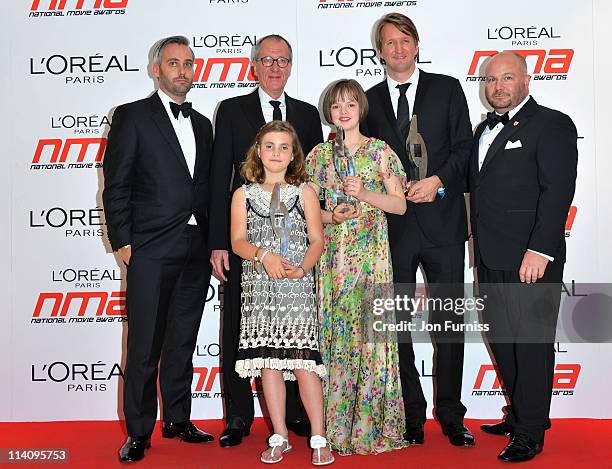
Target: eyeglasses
[[268, 61]]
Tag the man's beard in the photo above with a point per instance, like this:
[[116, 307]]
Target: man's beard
[[176, 89]]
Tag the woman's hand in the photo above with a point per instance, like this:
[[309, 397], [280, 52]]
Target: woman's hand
[[273, 264], [293, 271], [345, 212], [352, 185]]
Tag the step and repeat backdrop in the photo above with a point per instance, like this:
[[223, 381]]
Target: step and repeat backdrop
[[68, 63]]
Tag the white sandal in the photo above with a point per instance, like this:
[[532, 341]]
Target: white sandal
[[276, 441], [316, 443]]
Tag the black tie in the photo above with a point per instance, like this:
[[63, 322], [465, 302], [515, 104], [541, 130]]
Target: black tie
[[494, 118], [403, 111], [276, 114], [185, 108]]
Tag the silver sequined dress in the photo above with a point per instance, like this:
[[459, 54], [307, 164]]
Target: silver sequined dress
[[279, 325]]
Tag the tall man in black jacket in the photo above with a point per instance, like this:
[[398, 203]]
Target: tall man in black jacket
[[156, 203], [433, 231], [522, 181], [238, 120]]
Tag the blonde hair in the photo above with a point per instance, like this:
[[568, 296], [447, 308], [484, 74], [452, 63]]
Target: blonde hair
[[401, 22]]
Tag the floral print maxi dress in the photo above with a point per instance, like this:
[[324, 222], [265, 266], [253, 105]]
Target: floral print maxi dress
[[364, 410]]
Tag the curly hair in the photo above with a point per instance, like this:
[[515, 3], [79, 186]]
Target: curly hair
[[252, 169]]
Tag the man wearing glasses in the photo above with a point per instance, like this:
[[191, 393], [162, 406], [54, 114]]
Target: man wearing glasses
[[238, 120]]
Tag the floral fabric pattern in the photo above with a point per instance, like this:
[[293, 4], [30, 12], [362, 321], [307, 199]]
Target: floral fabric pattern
[[364, 409]]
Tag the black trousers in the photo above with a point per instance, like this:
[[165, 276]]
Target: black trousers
[[165, 301], [522, 319], [237, 391], [443, 267]]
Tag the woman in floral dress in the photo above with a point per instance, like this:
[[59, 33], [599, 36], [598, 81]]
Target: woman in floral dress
[[364, 410]]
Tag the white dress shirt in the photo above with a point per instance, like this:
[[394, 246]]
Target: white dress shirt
[[184, 132], [410, 92], [486, 139], [267, 109]]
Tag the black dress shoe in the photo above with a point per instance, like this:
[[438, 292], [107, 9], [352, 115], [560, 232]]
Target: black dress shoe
[[186, 431], [299, 427], [134, 448], [414, 435], [233, 436], [521, 448], [458, 435], [500, 428]]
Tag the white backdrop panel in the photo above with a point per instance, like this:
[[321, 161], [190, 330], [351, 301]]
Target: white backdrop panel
[[66, 74]]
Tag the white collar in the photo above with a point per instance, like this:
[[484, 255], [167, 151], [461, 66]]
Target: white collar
[[512, 112], [265, 98], [414, 78], [166, 100]]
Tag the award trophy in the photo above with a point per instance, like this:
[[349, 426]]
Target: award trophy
[[417, 152], [343, 162], [279, 217]]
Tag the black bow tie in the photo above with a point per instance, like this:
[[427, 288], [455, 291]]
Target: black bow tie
[[185, 108], [493, 119]]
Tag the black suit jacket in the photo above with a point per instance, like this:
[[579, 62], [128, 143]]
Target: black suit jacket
[[237, 122], [149, 194], [444, 123], [521, 196]]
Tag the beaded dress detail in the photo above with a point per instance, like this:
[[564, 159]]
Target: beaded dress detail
[[279, 326]]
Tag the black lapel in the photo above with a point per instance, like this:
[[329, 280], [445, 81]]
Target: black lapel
[[199, 143], [162, 120], [476, 145], [291, 112], [422, 86], [252, 110], [385, 101], [516, 123]]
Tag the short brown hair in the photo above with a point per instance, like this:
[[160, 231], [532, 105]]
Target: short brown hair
[[345, 88], [252, 169], [401, 22]]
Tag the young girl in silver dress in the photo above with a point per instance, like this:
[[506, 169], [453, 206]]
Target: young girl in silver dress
[[279, 325]]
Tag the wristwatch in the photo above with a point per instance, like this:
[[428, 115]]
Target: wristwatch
[[256, 262]]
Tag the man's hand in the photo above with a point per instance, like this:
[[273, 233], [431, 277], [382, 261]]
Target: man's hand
[[125, 253], [219, 258], [424, 190], [532, 267]]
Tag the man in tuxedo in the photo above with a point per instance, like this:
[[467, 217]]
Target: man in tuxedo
[[433, 231], [522, 181], [156, 203], [237, 122]]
